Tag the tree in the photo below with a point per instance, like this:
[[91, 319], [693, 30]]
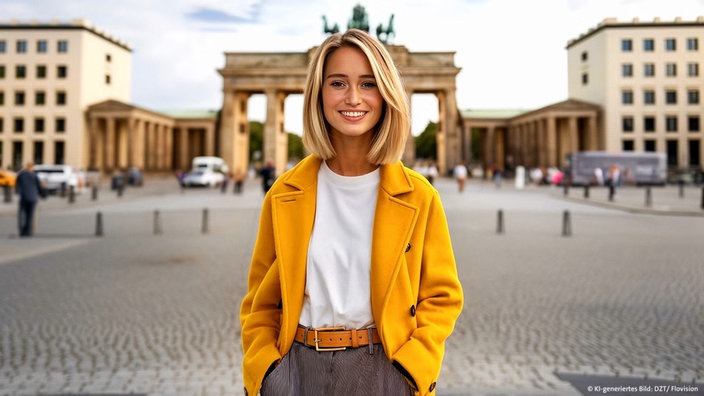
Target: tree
[[256, 140], [426, 146], [295, 147]]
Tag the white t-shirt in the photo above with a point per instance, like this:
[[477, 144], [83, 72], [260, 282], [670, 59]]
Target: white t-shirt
[[339, 254]]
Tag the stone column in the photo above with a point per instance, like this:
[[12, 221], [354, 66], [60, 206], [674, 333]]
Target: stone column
[[94, 157], [183, 160], [275, 139], [169, 149], [109, 144], [551, 142], [593, 136], [239, 154], [573, 135], [489, 159], [540, 140], [441, 132], [409, 152], [452, 137]]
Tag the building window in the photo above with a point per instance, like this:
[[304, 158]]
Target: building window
[[671, 97], [671, 123], [107, 79], [2, 98], [2, 71], [42, 46], [650, 146], [649, 69], [649, 97], [648, 45], [108, 58], [40, 98], [585, 78], [59, 152], [3, 46], [61, 71], [693, 69], [693, 96], [626, 45], [20, 71], [649, 124], [19, 125], [670, 45], [627, 145], [626, 70], [671, 69], [62, 46], [41, 71], [21, 46], [694, 152], [627, 124], [693, 123], [60, 98], [585, 56], [672, 152], [2, 128], [39, 125], [692, 44], [60, 125], [627, 97], [19, 98]]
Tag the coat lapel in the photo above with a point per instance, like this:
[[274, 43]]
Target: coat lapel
[[293, 216], [393, 224]]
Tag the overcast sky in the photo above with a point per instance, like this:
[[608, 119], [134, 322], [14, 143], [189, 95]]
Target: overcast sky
[[511, 52]]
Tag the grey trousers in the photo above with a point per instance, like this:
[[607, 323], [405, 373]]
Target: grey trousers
[[354, 371]]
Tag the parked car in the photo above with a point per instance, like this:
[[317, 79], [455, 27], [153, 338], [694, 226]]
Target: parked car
[[203, 178], [54, 176], [7, 178]]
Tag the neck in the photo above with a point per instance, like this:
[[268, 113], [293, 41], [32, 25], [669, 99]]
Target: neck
[[351, 156]]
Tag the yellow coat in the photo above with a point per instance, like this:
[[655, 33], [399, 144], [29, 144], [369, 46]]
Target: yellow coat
[[416, 296]]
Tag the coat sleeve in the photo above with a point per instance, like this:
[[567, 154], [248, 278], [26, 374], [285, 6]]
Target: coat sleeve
[[439, 303], [260, 313]]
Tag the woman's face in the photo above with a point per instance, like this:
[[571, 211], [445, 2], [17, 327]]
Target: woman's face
[[352, 103]]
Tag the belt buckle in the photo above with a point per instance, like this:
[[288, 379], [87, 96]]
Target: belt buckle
[[318, 348]]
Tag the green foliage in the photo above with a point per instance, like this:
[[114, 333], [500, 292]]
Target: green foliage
[[426, 145], [295, 147], [256, 139]]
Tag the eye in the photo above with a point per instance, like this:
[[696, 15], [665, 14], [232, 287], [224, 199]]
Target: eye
[[337, 84], [369, 84]]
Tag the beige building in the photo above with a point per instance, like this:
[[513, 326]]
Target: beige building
[[647, 78], [49, 75]]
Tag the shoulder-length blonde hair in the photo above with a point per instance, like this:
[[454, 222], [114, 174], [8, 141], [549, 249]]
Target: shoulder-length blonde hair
[[393, 127]]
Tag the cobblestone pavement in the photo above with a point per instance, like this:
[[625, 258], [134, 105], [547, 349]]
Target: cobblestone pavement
[[151, 306]]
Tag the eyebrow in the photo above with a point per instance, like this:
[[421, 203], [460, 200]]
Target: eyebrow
[[342, 75]]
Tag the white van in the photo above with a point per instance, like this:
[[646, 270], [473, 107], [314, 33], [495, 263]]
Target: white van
[[215, 164]]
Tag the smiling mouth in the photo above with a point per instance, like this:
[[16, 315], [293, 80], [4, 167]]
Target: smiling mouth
[[353, 114]]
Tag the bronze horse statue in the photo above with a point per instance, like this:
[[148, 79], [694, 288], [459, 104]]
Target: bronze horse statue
[[387, 31], [329, 29]]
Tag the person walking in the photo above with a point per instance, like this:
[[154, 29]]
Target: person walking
[[29, 188], [353, 286], [460, 174]]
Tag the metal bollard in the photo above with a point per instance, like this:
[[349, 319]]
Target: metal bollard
[[648, 197], [586, 191], [62, 190], [612, 192], [99, 224], [681, 185], [7, 193], [565, 189], [157, 223], [702, 197], [500, 222], [94, 193], [71, 194], [204, 224], [566, 223]]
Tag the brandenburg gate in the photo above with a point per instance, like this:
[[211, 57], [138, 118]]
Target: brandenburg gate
[[278, 75]]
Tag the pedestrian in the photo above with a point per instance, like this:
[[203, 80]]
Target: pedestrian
[[238, 181], [353, 252], [29, 188], [268, 173], [460, 174]]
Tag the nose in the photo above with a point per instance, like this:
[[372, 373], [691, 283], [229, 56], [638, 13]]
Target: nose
[[353, 97]]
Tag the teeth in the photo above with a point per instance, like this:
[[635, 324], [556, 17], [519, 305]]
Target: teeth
[[352, 113]]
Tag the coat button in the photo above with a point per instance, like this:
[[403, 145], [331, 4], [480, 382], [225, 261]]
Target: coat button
[[413, 310], [432, 386], [408, 247]]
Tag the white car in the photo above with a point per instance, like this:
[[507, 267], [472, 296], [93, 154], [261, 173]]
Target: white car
[[203, 178], [54, 176]]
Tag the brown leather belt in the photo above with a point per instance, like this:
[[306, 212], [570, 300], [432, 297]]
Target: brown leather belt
[[330, 339]]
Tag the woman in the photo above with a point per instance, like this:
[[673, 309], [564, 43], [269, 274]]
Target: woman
[[353, 287]]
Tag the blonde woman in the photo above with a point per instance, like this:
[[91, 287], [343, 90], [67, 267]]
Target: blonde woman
[[353, 287]]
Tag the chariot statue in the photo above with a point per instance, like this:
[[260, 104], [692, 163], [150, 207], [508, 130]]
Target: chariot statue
[[360, 20]]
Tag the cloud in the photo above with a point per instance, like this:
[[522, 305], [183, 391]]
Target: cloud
[[218, 16]]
